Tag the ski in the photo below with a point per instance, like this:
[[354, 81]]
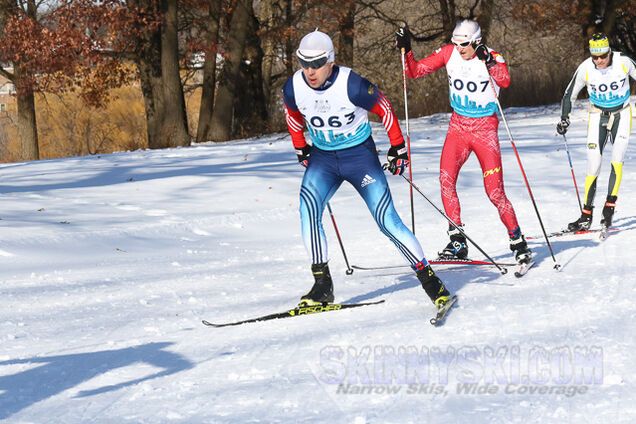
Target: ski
[[438, 261], [573, 233], [295, 312], [523, 268], [440, 317]]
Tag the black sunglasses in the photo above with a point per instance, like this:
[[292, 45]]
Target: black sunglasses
[[603, 56], [314, 64]]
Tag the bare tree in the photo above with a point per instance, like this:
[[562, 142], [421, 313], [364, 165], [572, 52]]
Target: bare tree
[[211, 37], [222, 115]]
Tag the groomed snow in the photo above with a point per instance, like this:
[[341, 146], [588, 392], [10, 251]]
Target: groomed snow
[[109, 263]]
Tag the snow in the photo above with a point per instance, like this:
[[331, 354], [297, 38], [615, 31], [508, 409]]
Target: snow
[[109, 263]]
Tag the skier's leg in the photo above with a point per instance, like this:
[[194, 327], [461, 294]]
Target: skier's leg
[[365, 173], [320, 182], [455, 152], [620, 130], [488, 152], [596, 139]]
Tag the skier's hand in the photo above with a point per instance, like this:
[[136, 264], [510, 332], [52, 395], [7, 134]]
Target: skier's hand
[[484, 55], [562, 127], [403, 39], [398, 158], [303, 155]]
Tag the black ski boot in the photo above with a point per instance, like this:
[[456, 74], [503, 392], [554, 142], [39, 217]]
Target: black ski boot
[[322, 291], [433, 287], [608, 211], [519, 246], [584, 222], [457, 248]]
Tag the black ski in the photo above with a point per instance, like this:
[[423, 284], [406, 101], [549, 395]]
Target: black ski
[[440, 317], [296, 312]]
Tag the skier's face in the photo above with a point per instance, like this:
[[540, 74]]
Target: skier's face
[[601, 62], [317, 76]]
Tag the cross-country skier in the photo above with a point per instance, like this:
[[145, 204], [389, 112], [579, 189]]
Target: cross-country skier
[[606, 75], [333, 102], [473, 70]]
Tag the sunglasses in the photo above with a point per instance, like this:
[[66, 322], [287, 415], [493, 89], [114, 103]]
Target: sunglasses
[[314, 64], [464, 44], [604, 56]]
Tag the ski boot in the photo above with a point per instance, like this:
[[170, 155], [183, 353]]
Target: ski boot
[[322, 291], [433, 287], [608, 211], [584, 222], [457, 248], [519, 246]]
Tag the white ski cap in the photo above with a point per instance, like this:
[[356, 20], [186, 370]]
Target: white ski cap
[[316, 45], [467, 30]]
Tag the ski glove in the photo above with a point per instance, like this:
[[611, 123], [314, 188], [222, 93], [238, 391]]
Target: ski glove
[[403, 39], [562, 127], [485, 55], [303, 155], [398, 158]]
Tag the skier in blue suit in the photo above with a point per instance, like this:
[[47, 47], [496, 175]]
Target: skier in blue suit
[[333, 102]]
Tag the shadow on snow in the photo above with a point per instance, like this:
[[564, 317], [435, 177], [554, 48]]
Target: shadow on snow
[[55, 374]]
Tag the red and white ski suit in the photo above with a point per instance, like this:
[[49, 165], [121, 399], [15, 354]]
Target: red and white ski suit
[[473, 125]]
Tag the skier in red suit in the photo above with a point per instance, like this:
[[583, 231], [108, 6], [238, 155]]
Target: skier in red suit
[[475, 75]]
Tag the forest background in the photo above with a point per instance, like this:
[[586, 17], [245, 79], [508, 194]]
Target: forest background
[[82, 77]]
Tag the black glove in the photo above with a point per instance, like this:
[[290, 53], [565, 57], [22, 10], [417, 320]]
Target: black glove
[[398, 158], [484, 55], [403, 39], [303, 155], [562, 127]]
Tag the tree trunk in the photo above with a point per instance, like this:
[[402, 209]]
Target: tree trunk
[[209, 71], [149, 66], [27, 124], [485, 16], [269, 19], [346, 24], [290, 65], [250, 117], [164, 102], [448, 15], [174, 125], [223, 113]]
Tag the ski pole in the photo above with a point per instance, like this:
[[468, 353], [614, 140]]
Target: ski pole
[[349, 270], [408, 136], [450, 221], [576, 187], [523, 172]]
